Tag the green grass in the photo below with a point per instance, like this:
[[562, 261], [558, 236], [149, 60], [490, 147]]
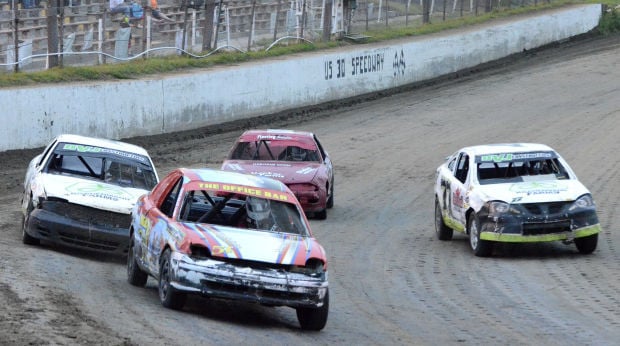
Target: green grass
[[610, 23]]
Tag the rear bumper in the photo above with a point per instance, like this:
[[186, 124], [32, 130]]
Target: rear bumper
[[58, 229]]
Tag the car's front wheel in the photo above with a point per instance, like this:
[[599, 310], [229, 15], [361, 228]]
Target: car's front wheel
[[330, 200], [314, 318], [587, 245], [168, 295], [443, 232], [27, 238], [482, 248], [135, 275], [321, 215]]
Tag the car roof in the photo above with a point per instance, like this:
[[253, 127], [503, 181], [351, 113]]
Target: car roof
[[275, 133], [100, 142], [505, 148], [209, 175], [279, 131]]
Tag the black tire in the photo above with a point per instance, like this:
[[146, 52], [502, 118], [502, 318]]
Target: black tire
[[482, 248], [314, 318], [587, 245], [443, 232], [27, 238], [330, 200], [135, 275], [168, 295], [321, 215]]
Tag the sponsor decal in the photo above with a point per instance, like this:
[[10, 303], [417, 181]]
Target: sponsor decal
[[244, 190], [222, 249], [538, 188], [273, 137], [235, 167], [272, 164], [507, 157], [457, 198], [268, 174], [306, 170], [98, 190], [90, 149]]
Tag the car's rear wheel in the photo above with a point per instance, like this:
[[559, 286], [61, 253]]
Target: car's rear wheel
[[587, 245], [482, 248], [168, 295], [27, 238], [135, 275], [314, 318], [443, 232]]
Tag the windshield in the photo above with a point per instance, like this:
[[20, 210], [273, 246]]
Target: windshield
[[288, 150], [113, 167], [241, 211], [502, 168]]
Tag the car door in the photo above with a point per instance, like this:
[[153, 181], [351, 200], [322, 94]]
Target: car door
[[459, 189], [35, 167], [454, 189], [158, 218]]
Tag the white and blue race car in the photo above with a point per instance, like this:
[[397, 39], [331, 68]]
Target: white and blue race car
[[516, 193]]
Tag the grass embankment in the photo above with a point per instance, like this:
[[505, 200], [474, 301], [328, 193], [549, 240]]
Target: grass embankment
[[610, 23]]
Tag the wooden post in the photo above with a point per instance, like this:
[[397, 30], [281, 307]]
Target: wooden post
[[207, 30], [327, 21], [52, 36]]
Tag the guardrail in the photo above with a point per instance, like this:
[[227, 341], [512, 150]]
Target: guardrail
[[84, 32]]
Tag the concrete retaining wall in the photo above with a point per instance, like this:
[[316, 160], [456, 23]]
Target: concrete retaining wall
[[123, 109]]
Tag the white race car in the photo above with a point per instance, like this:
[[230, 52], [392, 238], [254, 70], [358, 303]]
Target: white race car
[[519, 192], [80, 192]]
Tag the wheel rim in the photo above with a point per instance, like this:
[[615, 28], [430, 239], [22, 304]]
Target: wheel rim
[[164, 280], [473, 235]]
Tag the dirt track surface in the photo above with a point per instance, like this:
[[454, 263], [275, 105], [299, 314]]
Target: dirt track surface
[[391, 281]]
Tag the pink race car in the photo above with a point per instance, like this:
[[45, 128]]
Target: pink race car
[[296, 158]]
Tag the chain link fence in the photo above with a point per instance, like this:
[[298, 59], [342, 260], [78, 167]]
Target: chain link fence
[[38, 34]]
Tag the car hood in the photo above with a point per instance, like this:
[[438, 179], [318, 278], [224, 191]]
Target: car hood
[[90, 193], [286, 172], [533, 191], [255, 245]]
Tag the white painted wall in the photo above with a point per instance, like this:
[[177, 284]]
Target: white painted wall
[[123, 109]]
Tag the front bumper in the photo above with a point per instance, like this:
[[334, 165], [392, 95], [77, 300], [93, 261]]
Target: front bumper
[[539, 227], [59, 229], [266, 286]]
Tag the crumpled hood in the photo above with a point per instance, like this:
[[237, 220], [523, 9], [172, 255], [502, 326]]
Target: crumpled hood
[[533, 191], [91, 193], [254, 245], [286, 172]]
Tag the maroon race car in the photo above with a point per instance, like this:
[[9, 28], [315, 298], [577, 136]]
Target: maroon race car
[[296, 158]]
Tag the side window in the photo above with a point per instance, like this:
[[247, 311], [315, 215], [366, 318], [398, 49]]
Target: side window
[[167, 207], [462, 168], [452, 163], [46, 152], [318, 144]]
